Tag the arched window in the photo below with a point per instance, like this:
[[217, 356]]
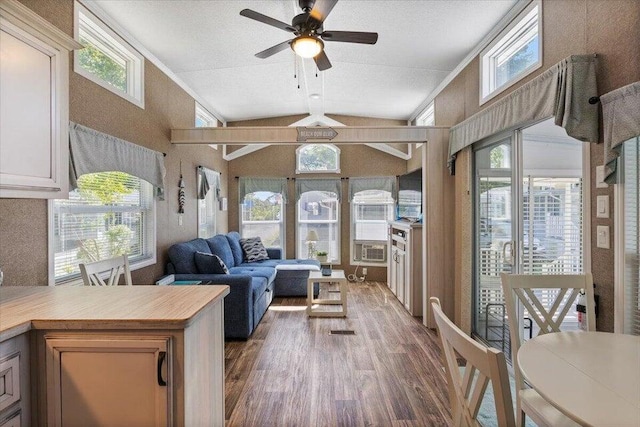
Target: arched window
[[318, 158]]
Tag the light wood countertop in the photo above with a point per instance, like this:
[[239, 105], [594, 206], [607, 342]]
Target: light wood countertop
[[82, 307]]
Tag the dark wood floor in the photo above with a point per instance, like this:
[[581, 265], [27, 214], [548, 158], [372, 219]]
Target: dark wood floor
[[292, 372]]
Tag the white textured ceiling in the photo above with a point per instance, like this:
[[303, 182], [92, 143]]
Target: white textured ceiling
[[211, 48]]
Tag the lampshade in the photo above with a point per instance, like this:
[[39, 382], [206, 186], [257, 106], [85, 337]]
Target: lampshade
[[307, 46], [312, 236]]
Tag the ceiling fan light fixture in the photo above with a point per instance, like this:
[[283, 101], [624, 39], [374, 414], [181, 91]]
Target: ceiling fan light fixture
[[307, 46]]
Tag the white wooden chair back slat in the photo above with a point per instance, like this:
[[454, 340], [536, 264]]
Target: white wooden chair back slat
[[469, 389], [521, 288], [93, 273]]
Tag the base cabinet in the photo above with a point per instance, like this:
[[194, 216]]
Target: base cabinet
[[14, 382], [88, 377], [405, 265]]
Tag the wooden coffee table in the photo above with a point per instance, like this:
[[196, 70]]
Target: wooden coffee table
[[337, 276]]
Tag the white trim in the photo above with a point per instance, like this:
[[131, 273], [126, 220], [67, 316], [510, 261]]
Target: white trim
[[618, 259], [317, 120], [386, 148], [500, 39], [104, 17], [134, 61], [586, 207], [247, 149], [506, 19]]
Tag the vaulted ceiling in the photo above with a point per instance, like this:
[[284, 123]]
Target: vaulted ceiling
[[209, 46]]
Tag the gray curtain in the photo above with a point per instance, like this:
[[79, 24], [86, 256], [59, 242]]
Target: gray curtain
[[562, 91], [91, 151], [248, 185], [385, 183], [207, 180], [621, 122], [333, 185]]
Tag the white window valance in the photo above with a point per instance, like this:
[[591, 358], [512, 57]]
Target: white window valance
[[333, 185], [563, 91], [621, 122], [208, 180], [91, 151], [384, 183], [248, 185]]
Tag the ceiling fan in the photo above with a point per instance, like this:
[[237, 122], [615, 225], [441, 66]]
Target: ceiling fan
[[309, 32]]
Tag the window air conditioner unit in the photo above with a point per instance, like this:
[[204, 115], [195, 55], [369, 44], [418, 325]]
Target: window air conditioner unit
[[374, 252]]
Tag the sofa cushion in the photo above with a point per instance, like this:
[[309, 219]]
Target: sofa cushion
[[181, 255], [210, 264], [219, 245], [233, 237], [268, 273], [253, 249]]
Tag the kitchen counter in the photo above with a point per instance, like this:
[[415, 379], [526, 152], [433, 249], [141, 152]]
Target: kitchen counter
[[23, 308]]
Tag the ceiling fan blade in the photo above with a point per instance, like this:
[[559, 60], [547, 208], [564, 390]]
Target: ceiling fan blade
[[322, 61], [322, 9], [350, 37], [251, 14], [273, 49]]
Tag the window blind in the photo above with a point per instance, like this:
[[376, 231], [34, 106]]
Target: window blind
[[631, 230], [109, 214]]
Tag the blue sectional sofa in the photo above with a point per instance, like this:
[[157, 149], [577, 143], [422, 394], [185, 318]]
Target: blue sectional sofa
[[253, 284]]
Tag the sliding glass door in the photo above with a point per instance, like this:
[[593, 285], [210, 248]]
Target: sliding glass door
[[528, 219]]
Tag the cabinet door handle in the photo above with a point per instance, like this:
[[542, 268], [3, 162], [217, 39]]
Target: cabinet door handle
[[161, 358]]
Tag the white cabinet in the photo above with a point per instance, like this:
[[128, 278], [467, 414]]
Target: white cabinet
[[14, 382], [108, 380], [405, 265], [34, 104]]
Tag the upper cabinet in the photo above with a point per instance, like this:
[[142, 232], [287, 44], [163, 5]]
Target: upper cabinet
[[34, 105]]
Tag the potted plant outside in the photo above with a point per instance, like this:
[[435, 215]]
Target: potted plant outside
[[322, 256]]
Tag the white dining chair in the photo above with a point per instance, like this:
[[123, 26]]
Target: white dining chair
[[560, 295], [467, 390], [112, 269]]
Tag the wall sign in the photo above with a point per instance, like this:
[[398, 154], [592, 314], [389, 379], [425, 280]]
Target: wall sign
[[305, 133]]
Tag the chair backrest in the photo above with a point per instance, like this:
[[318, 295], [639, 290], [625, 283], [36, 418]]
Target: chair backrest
[[490, 365], [548, 299], [92, 272]]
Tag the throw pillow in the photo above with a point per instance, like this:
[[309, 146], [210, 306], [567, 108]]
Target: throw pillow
[[210, 264], [253, 249]]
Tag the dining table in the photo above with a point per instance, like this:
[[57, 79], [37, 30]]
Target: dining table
[[591, 377]]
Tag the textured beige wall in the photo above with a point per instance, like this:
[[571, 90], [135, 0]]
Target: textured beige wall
[[279, 161], [23, 223], [606, 27]]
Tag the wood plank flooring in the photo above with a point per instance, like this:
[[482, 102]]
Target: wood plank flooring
[[292, 372]]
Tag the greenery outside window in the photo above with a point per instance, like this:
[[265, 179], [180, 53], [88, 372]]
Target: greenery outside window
[[107, 59], [515, 53], [262, 215], [109, 214], [319, 211], [318, 158]]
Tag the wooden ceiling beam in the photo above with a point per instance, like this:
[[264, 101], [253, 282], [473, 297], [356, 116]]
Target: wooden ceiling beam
[[284, 135]]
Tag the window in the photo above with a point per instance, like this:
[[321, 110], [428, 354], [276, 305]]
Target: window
[[109, 214], [629, 247], [515, 53], [428, 117], [370, 212], [205, 119], [262, 214], [208, 199], [319, 211], [318, 158], [107, 59]]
